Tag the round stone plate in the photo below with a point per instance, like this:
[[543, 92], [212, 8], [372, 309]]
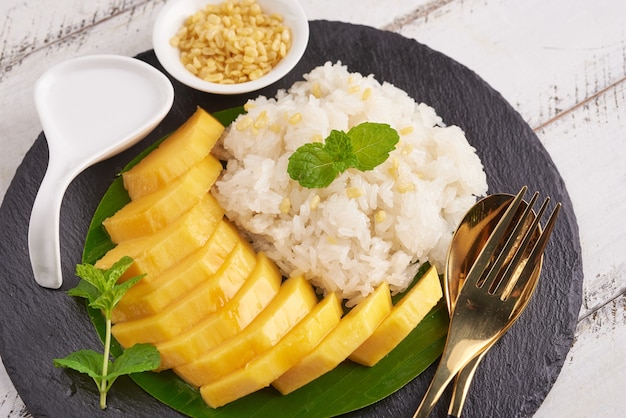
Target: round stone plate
[[40, 324]]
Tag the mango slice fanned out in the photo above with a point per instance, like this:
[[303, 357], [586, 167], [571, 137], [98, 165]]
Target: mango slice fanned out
[[294, 301], [152, 212], [157, 252], [353, 329], [256, 293], [214, 272], [402, 319], [186, 147], [267, 367], [193, 306]]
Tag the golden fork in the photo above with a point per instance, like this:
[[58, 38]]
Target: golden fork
[[493, 291]]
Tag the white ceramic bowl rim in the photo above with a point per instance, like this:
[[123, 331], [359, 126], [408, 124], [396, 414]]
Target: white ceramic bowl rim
[[175, 12]]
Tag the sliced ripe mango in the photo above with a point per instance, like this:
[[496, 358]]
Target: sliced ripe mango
[[402, 319], [157, 252], [256, 293], [152, 212], [186, 311], [353, 329], [294, 301], [187, 146], [287, 352], [220, 267]]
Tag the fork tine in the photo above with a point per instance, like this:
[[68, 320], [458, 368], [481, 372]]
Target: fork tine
[[519, 230], [520, 280], [516, 261], [537, 251], [482, 261]]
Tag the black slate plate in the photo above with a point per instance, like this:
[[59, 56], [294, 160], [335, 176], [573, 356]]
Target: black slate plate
[[38, 325]]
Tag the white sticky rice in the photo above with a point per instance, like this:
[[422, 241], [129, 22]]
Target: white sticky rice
[[366, 227]]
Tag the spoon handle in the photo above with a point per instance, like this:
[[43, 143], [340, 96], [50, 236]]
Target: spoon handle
[[439, 383], [43, 230], [462, 384]]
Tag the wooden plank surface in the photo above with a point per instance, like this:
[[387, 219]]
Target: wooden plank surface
[[560, 63]]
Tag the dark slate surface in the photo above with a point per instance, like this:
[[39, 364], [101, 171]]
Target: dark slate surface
[[37, 325]]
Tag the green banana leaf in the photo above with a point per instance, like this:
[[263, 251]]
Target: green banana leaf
[[337, 392]]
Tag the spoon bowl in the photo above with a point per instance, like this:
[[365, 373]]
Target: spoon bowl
[[90, 109], [467, 242]]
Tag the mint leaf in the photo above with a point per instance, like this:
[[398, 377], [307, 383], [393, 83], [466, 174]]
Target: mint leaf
[[91, 275], [312, 166], [339, 148], [100, 288], [365, 146], [116, 271], [84, 361], [107, 300], [85, 290], [135, 359], [372, 143]]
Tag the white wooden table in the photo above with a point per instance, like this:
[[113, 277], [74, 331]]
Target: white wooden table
[[560, 63]]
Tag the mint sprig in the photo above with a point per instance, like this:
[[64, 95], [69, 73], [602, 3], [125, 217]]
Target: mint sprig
[[101, 290], [364, 147]]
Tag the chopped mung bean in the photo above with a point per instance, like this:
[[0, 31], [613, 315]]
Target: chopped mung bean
[[285, 205], [407, 149], [315, 201], [232, 42], [317, 90], [244, 123], [354, 89], [380, 216], [406, 130], [354, 192], [406, 187], [295, 118]]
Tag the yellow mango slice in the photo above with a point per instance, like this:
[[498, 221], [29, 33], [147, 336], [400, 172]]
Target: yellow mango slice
[[183, 149], [256, 293], [157, 252], [294, 301], [220, 267], [152, 212], [287, 352], [353, 329], [185, 312], [402, 319]]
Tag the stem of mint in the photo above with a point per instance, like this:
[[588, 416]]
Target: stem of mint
[[101, 290], [105, 364]]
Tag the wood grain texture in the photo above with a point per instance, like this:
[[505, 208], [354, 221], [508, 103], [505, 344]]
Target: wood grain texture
[[543, 60], [561, 64], [596, 130], [27, 28]]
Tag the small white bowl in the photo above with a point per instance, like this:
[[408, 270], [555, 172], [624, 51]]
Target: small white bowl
[[173, 16]]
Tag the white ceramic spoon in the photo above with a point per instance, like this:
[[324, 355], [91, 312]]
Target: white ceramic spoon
[[90, 108]]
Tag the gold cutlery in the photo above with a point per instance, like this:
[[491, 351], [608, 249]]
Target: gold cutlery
[[497, 287], [469, 238]]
